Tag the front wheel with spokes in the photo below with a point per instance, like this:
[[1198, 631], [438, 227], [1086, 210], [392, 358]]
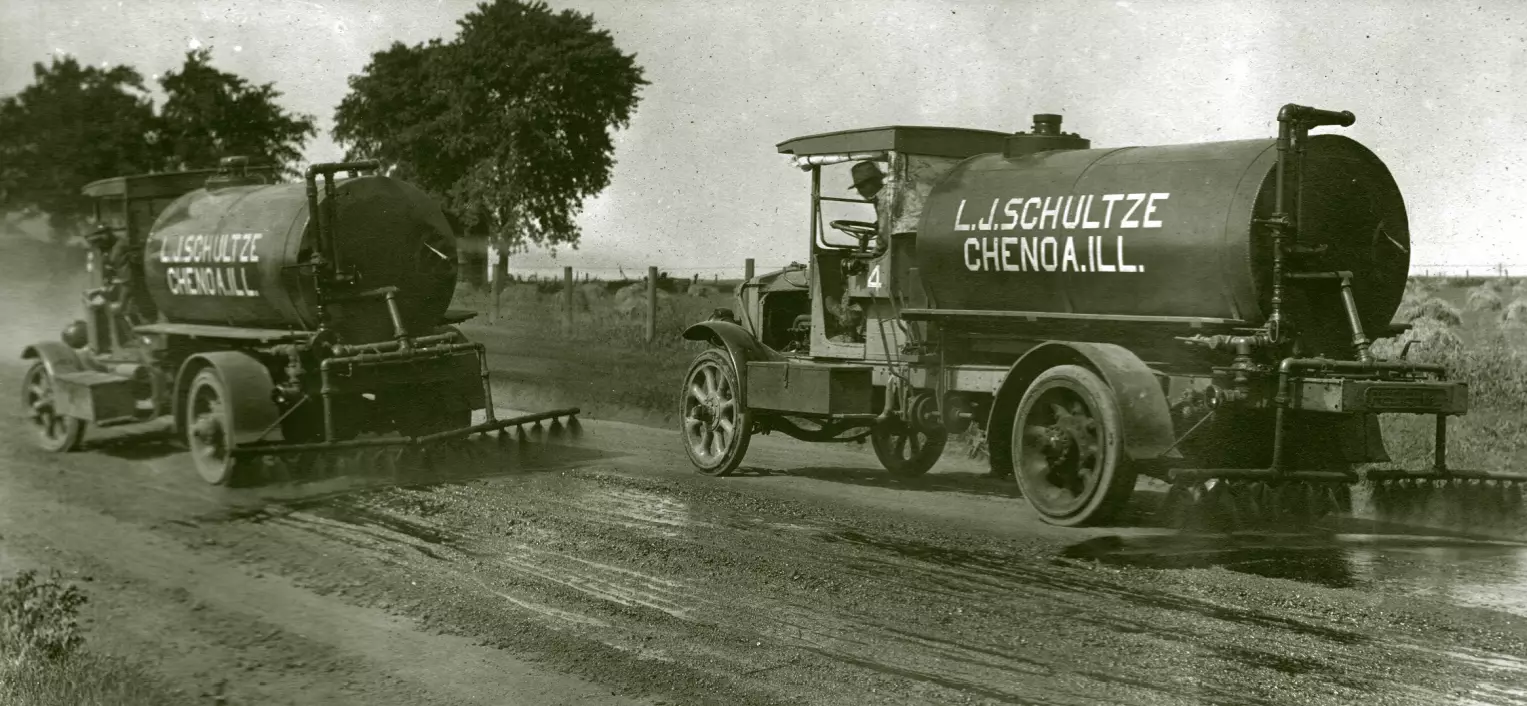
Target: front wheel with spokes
[[1067, 455], [716, 423], [52, 431]]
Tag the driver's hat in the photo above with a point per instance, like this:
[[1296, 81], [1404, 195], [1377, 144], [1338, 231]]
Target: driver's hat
[[866, 172]]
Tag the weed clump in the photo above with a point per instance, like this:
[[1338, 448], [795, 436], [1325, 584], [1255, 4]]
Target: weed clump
[[41, 655], [38, 619]]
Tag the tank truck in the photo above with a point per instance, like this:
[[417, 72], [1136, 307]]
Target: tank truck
[[1198, 313], [299, 322]]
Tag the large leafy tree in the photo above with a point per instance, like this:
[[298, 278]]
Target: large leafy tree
[[74, 124], [209, 114], [510, 123]]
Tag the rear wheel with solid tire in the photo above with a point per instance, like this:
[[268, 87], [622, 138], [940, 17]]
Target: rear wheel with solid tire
[[1067, 448], [716, 424], [209, 429]]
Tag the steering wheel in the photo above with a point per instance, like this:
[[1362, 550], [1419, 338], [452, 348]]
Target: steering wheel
[[860, 230]]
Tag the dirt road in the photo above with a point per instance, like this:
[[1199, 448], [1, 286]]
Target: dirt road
[[610, 573]]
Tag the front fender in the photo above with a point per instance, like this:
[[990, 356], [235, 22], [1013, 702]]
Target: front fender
[[740, 346], [56, 357]]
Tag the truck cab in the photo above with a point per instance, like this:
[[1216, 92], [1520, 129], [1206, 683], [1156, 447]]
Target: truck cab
[[862, 240], [124, 210]]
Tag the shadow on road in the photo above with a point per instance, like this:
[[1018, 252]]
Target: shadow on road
[[147, 446], [1305, 559], [281, 484], [1140, 513], [966, 483]]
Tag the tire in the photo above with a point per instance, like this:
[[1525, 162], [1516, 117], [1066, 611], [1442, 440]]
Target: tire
[[1067, 447], [904, 454], [713, 423], [50, 430], [209, 427]]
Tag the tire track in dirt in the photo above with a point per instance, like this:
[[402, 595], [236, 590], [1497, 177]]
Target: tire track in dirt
[[628, 563]]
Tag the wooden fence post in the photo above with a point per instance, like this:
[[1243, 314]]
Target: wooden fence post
[[651, 304], [747, 269], [567, 295]]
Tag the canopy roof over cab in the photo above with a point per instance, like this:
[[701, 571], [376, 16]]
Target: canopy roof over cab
[[865, 143], [148, 186]]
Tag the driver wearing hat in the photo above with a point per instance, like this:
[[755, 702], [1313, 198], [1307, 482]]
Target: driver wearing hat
[[868, 181]]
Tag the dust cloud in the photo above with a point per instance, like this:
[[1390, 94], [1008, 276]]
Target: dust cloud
[[41, 284]]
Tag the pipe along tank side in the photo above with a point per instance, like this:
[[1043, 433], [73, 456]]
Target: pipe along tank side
[[1164, 231], [235, 256]]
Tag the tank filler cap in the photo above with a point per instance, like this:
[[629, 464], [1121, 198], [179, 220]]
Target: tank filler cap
[[1047, 124], [234, 171], [1046, 137]]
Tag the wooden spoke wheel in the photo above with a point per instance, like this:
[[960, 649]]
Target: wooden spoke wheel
[[1066, 448], [51, 430], [905, 450], [209, 428], [716, 424]]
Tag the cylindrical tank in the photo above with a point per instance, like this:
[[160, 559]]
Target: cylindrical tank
[[233, 257], [1167, 231]]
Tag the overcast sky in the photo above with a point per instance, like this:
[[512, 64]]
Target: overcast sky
[[1437, 88]]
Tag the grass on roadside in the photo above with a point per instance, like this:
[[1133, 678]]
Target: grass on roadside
[[604, 358], [42, 655]]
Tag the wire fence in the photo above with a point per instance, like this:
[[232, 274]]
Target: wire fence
[[572, 288]]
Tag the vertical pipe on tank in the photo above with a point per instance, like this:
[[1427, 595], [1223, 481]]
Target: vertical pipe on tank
[[313, 213], [316, 216], [327, 224], [1278, 223], [1301, 135]]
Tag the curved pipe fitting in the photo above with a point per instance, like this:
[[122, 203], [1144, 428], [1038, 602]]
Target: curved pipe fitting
[[1315, 117]]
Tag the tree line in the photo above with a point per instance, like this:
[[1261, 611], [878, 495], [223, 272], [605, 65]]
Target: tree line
[[509, 123]]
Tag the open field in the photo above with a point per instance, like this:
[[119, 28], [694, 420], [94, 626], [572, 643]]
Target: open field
[[1478, 328], [603, 363]]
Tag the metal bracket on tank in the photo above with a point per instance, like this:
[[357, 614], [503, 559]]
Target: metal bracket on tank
[[1360, 340]]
